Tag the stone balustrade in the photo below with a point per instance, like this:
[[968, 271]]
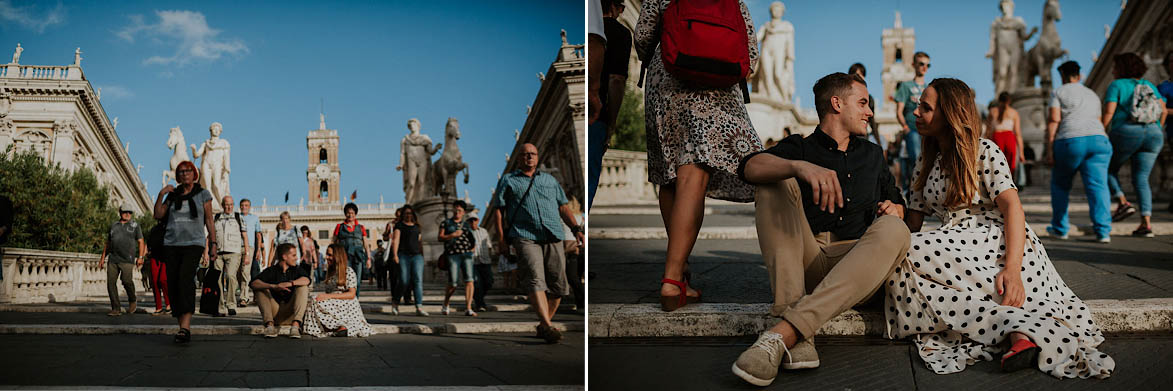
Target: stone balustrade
[[624, 179], [41, 72], [40, 276]]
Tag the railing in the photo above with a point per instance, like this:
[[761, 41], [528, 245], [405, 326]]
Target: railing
[[40, 276], [41, 72], [624, 179], [266, 210]]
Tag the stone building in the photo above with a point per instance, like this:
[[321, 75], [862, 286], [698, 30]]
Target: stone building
[[324, 209], [54, 111], [1144, 27], [557, 125]]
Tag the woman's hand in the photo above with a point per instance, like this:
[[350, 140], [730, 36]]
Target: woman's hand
[[321, 297], [166, 189], [396, 258], [1009, 284]]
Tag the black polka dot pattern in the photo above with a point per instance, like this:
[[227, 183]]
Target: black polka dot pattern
[[946, 283], [331, 314]]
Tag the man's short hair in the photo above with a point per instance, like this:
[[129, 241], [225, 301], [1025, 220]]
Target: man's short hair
[[461, 204], [607, 4], [1068, 69], [835, 84], [857, 66], [243, 200], [919, 55], [285, 248]]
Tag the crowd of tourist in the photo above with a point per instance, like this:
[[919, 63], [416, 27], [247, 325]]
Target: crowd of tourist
[[222, 253]]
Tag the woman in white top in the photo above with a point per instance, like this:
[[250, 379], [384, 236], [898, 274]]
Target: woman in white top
[[286, 233], [1005, 129]]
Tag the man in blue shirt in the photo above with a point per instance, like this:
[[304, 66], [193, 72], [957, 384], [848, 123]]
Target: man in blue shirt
[[251, 265], [907, 98], [533, 201]]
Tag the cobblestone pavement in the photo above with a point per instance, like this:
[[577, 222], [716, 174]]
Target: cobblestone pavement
[[255, 362], [1143, 362]]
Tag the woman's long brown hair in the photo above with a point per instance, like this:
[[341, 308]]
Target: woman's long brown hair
[[959, 151], [338, 267]]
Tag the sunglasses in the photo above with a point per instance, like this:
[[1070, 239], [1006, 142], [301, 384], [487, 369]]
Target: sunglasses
[[925, 64]]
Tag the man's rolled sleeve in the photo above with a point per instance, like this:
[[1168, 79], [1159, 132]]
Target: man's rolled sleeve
[[789, 148]]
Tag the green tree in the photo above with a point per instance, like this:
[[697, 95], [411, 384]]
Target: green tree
[[56, 209], [629, 124]]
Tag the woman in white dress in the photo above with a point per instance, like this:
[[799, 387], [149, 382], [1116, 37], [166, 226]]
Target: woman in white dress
[[983, 277], [337, 312]]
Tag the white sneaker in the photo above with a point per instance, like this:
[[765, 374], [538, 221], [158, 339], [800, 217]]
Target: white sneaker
[[394, 310], [419, 311], [444, 310], [470, 313]]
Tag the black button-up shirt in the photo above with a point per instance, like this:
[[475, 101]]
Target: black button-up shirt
[[863, 177]]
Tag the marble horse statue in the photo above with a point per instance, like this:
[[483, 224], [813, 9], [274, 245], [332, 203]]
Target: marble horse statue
[[450, 162], [178, 153], [1041, 57]]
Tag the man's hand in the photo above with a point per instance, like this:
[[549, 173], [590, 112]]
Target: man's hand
[[889, 208], [138, 261], [102, 263], [503, 247], [824, 185], [580, 238]]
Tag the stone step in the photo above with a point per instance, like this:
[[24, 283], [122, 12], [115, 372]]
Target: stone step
[[729, 320], [430, 328], [750, 232], [146, 297], [148, 307]]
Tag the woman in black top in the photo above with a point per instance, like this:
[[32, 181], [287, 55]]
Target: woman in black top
[[409, 255]]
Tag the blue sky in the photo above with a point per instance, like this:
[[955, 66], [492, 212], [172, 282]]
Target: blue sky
[[830, 36], [261, 68]]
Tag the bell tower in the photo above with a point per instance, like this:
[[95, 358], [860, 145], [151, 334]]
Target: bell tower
[[322, 173], [899, 43]]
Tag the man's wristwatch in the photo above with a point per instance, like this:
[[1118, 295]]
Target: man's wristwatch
[[576, 229]]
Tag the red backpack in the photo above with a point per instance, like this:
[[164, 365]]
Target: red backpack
[[704, 42]]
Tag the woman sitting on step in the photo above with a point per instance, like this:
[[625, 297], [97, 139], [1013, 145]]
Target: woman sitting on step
[[337, 312]]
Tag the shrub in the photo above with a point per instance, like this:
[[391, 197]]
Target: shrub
[[55, 209], [629, 124]]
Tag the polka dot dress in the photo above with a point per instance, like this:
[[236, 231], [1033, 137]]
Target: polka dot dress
[[330, 314], [943, 294]]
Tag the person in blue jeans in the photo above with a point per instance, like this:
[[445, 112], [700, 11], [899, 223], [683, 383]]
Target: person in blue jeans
[[459, 243], [1077, 143], [408, 254], [907, 98], [1131, 141], [1166, 91]]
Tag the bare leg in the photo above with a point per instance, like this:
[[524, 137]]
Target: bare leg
[[1146, 222], [788, 332], [468, 289], [553, 303], [185, 321], [687, 200], [448, 291], [538, 302]]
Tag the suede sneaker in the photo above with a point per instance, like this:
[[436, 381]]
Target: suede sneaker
[[270, 331], [759, 364], [295, 332], [802, 355]]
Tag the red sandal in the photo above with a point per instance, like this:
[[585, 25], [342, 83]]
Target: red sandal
[[1023, 354], [671, 303]]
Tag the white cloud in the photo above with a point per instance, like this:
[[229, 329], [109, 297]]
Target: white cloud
[[28, 18], [115, 92], [188, 32]]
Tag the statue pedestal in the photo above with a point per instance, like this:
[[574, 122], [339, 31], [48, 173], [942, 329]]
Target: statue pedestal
[[771, 118], [1031, 104], [431, 212]]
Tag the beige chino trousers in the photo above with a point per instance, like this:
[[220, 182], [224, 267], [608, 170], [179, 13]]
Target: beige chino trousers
[[283, 313], [815, 277]]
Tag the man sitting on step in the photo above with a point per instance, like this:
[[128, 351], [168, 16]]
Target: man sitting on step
[[282, 292], [829, 222]]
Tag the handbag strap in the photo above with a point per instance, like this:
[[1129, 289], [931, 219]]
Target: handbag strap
[[523, 196]]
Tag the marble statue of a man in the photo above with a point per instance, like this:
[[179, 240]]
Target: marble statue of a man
[[16, 54], [77, 57], [214, 162], [774, 77], [415, 160], [1007, 34]]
